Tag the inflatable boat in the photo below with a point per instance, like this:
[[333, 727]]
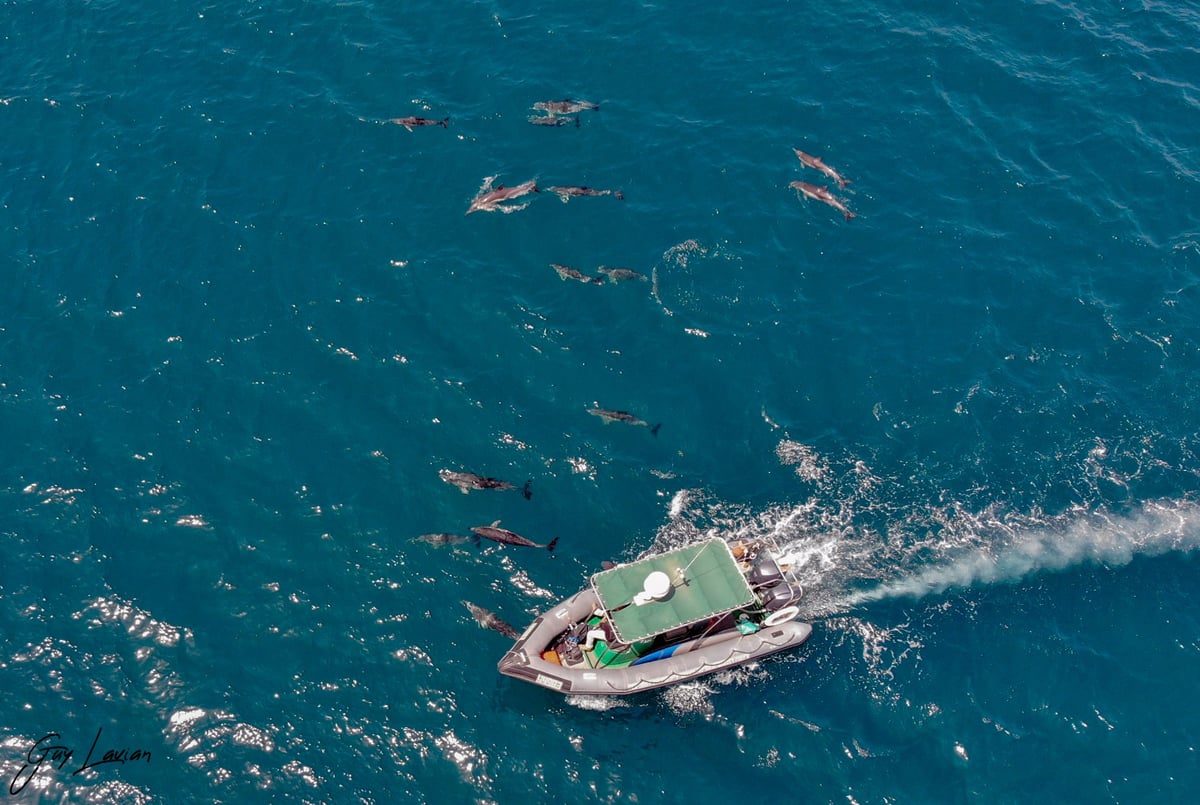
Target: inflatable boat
[[664, 619]]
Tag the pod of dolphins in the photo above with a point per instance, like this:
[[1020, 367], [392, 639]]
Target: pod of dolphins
[[559, 113], [818, 193], [501, 198]]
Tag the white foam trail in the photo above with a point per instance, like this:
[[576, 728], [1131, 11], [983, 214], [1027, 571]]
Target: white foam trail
[[678, 501], [809, 465], [1113, 539], [596, 702], [850, 544]]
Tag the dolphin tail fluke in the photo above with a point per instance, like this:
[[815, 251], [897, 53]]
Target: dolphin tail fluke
[[850, 215], [553, 542], [525, 490], [444, 122], [654, 429]]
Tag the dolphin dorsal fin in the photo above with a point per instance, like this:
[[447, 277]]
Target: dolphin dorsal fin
[[495, 524]]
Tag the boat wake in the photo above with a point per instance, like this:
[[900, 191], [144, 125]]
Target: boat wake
[[849, 545], [856, 540], [1101, 537]]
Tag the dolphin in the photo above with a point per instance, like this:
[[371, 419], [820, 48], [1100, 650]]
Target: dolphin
[[809, 161], [466, 481], [503, 535], [568, 192], [489, 198], [821, 194], [439, 540], [568, 273], [410, 122], [623, 416], [566, 107], [489, 620], [618, 274]]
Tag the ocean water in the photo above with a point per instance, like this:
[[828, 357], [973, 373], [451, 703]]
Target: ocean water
[[244, 321]]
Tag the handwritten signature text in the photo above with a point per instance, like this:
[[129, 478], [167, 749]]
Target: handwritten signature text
[[47, 753]]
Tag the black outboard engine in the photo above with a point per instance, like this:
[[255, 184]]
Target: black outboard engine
[[777, 597], [765, 571]]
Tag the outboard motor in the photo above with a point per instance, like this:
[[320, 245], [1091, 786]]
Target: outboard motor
[[765, 571], [777, 597]]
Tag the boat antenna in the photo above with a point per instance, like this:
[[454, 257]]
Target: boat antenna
[[681, 572]]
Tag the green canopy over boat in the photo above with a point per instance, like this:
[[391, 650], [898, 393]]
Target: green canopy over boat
[[705, 580]]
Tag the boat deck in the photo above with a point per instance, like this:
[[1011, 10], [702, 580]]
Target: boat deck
[[706, 581]]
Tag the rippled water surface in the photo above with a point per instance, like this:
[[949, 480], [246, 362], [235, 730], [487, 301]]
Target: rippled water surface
[[245, 320]]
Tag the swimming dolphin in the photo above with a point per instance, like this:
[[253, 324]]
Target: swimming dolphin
[[489, 620], [503, 535], [410, 122], [445, 539], [821, 194], [568, 273], [567, 107], [466, 481], [618, 274], [609, 415], [568, 192], [808, 160], [489, 199]]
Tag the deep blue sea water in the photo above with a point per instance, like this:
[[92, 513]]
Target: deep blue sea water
[[244, 321]]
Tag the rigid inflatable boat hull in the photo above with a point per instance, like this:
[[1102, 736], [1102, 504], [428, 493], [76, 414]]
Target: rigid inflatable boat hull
[[680, 663]]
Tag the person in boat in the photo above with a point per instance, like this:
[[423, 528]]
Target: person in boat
[[592, 636], [597, 632]]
